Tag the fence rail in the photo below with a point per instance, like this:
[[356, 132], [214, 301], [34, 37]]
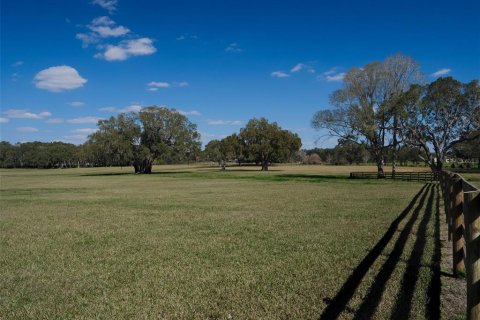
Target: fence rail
[[408, 176], [462, 213]]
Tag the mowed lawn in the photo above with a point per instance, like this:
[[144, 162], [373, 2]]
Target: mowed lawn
[[193, 242]]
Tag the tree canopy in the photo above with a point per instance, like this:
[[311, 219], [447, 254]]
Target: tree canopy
[[140, 138], [365, 109], [267, 142], [438, 116]]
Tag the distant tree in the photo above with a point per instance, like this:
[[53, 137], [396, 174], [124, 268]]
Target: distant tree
[[235, 148], [218, 151], [267, 142], [8, 155], [154, 133], [470, 148], [438, 116], [365, 109]]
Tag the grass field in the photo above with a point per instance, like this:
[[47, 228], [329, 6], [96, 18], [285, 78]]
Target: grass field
[[193, 242]]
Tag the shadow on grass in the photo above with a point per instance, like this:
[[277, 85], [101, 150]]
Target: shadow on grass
[[261, 176], [401, 309], [106, 174]]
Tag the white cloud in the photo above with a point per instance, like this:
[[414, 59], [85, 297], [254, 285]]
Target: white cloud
[[330, 72], [83, 120], [101, 28], [75, 138], [181, 84], [441, 72], [233, 47], [159, 84], [128, 48], [190, 113], [279, 74], [59, 78], [105, 27], [76, 104], [302, 66], [4, 120], [27, 129], [155, 85], [109, 5], [17, 64], [24, 114], [224, 122], [85, 130], [131, 108], [54, 121], [335, 77]]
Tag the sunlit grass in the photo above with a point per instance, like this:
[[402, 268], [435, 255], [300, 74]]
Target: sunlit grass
[[194, 242]]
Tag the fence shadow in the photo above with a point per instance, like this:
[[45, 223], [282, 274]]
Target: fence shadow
[[424, 210]]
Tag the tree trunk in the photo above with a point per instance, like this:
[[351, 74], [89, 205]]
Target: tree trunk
[[222, 165], [265, 165], [143, 166], [395, 143], [380, 173]]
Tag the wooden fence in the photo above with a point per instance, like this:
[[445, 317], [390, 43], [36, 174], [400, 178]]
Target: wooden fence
[[462, 211], [409, 176]]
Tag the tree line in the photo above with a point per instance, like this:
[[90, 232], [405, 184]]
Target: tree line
[[385, 111], [156, 135]]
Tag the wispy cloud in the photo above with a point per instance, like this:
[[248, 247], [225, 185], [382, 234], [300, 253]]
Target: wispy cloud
[[187, 36], [59, 78], [100, 28], [233, 47], [109, 5], [126, 49], [75, 138], [155, 85], [299, 67], [54, 121], [84, 130], [17, 64], [24, 114], [27, 129], [224, 122], [190, 113], [302, 67], [107, 109], [106, 27], [279, 74], [76, 104], [335, 77], [81, 120], [4, 120], [441, 72], [130, 108]]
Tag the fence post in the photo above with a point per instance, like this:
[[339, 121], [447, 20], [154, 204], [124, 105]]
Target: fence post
[[457, 226], [471, 209]]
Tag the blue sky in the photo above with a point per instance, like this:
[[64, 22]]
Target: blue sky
[[66, 64]]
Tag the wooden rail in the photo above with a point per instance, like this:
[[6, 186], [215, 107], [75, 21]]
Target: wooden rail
[[408, 176], [462, 212]]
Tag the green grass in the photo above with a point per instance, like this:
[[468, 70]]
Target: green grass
[[193, 242], [473, 178]]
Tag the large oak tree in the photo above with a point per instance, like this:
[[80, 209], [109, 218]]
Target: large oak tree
[[140, 138]]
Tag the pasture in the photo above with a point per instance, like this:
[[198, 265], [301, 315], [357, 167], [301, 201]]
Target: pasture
[[297, 242]]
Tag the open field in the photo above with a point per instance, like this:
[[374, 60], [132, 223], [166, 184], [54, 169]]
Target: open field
[[298, 242]]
